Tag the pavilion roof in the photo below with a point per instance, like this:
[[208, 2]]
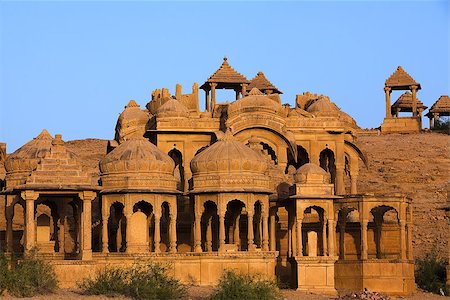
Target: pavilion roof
[[225, 74], [400, 79], [441, 105], [262, 83], [405, 102]]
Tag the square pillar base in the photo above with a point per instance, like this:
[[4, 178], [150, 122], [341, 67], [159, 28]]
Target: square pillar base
[[315, 274]]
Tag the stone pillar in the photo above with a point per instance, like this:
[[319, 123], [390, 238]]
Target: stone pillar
[[237, 94], [9, 228], [244, 89], [208, 245], [105, 216], [265, 241], [388, 91], [30, 241], [402, 240], [364, 246], [414, 99], [342, 239], [294, 236], [173, 231], [213, 95], [340, 185], [197, 235], [250, 236], [324, 237], [236, 238], [221, 231], [299, 236], [128, 213], [409, 233], [273, 233], [435, 117], [87, 198], [431, 122], [157, 235], [331, 238], [207, 101]]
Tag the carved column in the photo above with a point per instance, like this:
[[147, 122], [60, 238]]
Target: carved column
[[331, 238], [9, 212], [402, 240], [414, 99], [324, 237], [435, 117], [128, 214], [87, 198], [105, 216], [409, 233], [221, 230], [173, 231], [237, 94], [209, 235], [236, 237], [213, 95], [157, 234], [265, 241], [342, 239], [294, 236], [388, 91], [273, 233], [364, 245], [30, 241], [207, 101], [299, 222], [197, 228], [250, 236]]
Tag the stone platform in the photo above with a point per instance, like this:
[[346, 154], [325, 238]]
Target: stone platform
[[189, 268]]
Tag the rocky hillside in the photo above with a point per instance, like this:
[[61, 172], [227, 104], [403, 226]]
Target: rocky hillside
[[417, 165]]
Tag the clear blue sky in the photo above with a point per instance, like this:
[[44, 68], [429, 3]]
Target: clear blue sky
[[70, 67]]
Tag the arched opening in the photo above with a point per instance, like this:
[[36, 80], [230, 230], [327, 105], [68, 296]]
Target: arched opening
[[349, 234], [314, 232], [210, 227], [302, 158], [177, 157], [327, 162], [72, 228], [116, 228], [270, 152], [165, 225], [384, 233], [236, 226]]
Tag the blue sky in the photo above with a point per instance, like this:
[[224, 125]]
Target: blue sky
[[70, 67]]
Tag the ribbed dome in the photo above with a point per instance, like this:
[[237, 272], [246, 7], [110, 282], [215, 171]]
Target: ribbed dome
[[254, 102], [172, 108], [132, 121], [229, 164], [325, 107], [137, 163], [311, 173], [323, 104], [25, 159]]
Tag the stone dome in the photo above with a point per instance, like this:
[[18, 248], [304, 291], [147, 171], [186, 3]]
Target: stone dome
[[24, 160], [311, 173], [132, 121], [229, 164], [172, 108], [323, 104], [137, 163], [325, 107], [255, 102]]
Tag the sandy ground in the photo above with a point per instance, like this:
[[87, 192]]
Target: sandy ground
[[202, 293]]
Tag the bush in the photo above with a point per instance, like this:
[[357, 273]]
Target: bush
[[140, 281], [430, 273], [236, 286], [27, 278]]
